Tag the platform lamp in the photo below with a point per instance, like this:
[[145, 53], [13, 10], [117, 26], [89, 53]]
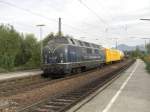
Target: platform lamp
[[145, 19], [83, 37], [41, 44]]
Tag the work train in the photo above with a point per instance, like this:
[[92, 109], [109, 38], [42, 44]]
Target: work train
[[65, 55]]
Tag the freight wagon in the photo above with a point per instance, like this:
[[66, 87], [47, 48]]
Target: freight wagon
[[113, 55]]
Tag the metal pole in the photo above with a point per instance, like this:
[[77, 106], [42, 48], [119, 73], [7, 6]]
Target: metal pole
[[59, 27], [145, 19], [145, 46], [41, 42], [116, 44]]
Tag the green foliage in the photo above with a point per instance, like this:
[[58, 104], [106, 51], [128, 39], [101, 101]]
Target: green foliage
[[9, 46], [148, 48], [29, 54], [137, 53], [16, 50], [146, 57], [32, 51]]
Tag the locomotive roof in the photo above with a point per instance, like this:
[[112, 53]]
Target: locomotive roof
[[72, 41]]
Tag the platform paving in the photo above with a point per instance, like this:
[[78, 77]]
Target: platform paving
[[129, 93], [19, 74]]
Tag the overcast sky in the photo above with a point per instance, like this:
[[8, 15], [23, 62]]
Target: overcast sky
[[104, 21]]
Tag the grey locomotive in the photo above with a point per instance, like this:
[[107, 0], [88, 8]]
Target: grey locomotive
[[65, 55]]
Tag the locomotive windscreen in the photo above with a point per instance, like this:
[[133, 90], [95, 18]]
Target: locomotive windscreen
[[53, 54]]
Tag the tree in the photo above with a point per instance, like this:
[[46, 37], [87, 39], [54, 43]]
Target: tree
[[148, 48], [9, 46], [32, 51], [137, 52]]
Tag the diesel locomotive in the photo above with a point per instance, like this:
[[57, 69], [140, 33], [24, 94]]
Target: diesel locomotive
[[66, 55]]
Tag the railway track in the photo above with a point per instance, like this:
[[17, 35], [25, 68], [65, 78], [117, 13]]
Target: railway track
[[9, 88], [20, 85], [65, 101]]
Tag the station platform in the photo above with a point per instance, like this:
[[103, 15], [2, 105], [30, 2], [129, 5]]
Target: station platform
[[128, 93], [19, 74]]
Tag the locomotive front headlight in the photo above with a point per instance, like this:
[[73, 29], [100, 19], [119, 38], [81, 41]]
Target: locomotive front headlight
[[61, 58], [61, 61]]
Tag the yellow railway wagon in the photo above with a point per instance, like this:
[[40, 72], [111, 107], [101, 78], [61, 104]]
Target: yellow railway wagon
[[121, 55], [112, 55]]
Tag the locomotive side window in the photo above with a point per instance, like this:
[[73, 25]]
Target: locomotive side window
[[72, 55], [87, 44], [95, 46], [89, 51], [81, 44]]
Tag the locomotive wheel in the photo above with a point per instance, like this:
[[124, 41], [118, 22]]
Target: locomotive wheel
[[45, 75], [74, 70], [83, 69], [78, 70]]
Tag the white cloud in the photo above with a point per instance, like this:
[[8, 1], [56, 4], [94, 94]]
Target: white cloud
[[121, 18]]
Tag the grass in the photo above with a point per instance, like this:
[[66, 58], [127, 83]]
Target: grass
[[148, 67], [2, 70], [146, 59], [21, 68]]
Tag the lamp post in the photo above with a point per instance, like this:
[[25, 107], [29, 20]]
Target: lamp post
[[145, 19], [83, 37], [41, 42]]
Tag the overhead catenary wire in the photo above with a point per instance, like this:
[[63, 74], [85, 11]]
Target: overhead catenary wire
[[92, 11], [27, 10], [102, 7], [109, 13]]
